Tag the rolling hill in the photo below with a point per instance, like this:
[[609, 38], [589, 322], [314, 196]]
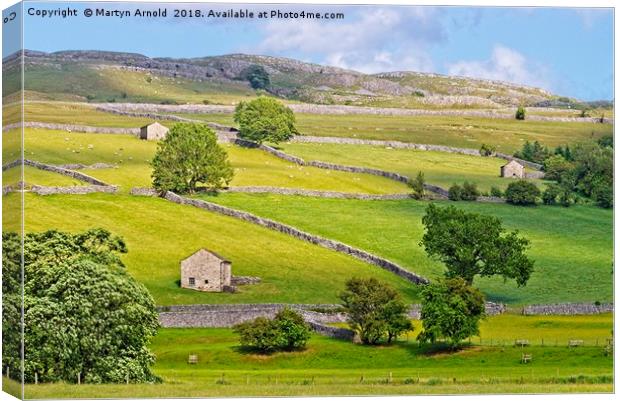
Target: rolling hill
[[129, 77]]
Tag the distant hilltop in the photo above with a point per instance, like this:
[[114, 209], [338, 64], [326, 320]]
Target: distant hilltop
[[93, 75]]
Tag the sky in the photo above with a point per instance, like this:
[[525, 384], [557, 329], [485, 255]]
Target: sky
[[568, 51]]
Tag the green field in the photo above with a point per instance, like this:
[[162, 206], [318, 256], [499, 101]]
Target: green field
[[159, 234], [336, 367], [464, 132], [571, 247], [439, 168], [132, 156], [39, 177]]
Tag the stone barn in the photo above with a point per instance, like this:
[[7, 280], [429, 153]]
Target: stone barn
[[206, 271], [513, 169], [153, 132]]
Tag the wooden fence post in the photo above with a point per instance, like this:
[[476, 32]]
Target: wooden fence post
[[36, 378], [78, 377]]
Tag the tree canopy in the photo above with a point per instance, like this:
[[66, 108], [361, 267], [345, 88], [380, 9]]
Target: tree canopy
[[189, 156], [375, 310], [287, 331], [472, 244], [451, 310], [257, 76], [265, 119], [84, 314]]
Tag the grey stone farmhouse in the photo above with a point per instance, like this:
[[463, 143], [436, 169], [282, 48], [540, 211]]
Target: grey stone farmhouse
[[153, 132], [513, 169], [206, 271]]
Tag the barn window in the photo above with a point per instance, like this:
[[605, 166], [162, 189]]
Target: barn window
[[192, 281], [206, 281]]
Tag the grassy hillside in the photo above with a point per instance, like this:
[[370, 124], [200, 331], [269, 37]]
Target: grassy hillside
[[159, 234], [334, 367], [132, 156], [39, 177], [571, 247], [439, 168]]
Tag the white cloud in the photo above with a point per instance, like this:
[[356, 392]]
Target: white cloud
[[374, 40], [505, 64]]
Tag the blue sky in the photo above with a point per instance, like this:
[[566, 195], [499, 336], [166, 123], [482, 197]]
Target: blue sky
[[566, 51]]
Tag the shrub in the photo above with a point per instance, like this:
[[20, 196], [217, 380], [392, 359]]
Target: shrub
[[287, 331], [551, 194], [495, 191], [520, 114], [455, 193], [417, 186], [190, 155], [604, 196], [470, 191], [487, 150], [555, 166], [265, 119], [522, 192]]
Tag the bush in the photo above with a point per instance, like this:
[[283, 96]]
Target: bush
[[470, 191], [188, 156], [555, 166], [265, 119], [417, 186], [604, 196], [520, 114], [550, 195], [522, 192], [487, 150], [495, 191], [467, 192], [287, 331], [455, 193]]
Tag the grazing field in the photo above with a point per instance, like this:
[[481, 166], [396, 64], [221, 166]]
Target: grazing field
[[159, 234], [116, 84], [459, 131], [572, 247], [132, 157], [34, 176], [439, 168], [336, 367]]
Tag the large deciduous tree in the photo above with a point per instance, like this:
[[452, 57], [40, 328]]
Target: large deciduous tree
[[189, 156], [472, 244], [375, 310], [84, 314], [451, 310], [265, 120]]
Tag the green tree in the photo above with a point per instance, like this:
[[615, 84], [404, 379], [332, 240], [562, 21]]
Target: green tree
[[534, 152], [551, 193], [189, 156], [520, 114], [487, 150], [555, 166], [265, 119], [257, 76], [417, 186], [455, 192], [84, 313], [522, 192], [495, 191], [472, 244], [470, 191], [451, 310], [375, 310], [287, 331]]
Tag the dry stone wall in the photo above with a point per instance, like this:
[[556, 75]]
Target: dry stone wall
[[568, 309], [318, 194], [292, 231], [74, 128], [74, 190], [70, 173], [344, 110]]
